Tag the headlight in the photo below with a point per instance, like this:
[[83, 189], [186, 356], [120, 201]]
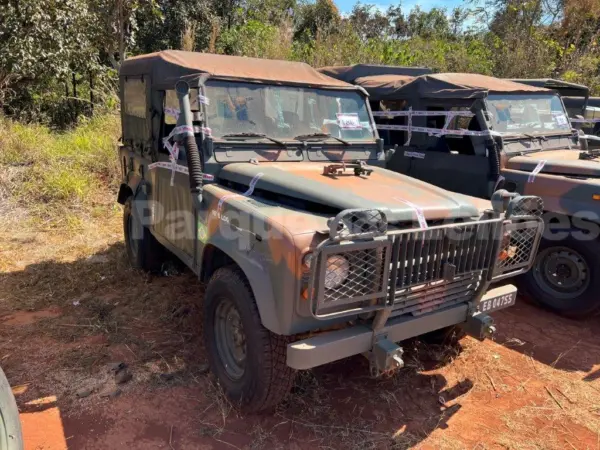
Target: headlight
[[338, 269], [507, 251]]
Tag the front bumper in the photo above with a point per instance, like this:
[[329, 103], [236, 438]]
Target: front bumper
[[335, 345]]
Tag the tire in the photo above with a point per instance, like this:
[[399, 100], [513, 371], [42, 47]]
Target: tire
[[143, 250], [11, 437], [579, 260], [257, 378]]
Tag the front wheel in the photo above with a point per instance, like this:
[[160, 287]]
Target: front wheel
[[565, 277], [248, 360]]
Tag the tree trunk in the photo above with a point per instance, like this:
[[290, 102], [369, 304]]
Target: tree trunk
[[122, 54]]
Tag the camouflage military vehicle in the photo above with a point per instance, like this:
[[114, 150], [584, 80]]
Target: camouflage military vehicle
[[266, 179], [474, 134]]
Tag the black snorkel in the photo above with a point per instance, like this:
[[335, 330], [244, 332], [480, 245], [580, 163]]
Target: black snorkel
[[188, 139]]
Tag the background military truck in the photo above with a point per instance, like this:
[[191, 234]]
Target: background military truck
[[583, 110], [265, 178], [518, 137]]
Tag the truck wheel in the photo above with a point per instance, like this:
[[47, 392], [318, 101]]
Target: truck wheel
[[10, 426], [248, 360], [143, 250], [565, 277]]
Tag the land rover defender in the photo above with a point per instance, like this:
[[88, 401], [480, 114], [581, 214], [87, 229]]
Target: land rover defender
[[266, 179]]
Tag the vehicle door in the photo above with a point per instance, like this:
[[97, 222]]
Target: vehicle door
[[173, 214], [454, 162]]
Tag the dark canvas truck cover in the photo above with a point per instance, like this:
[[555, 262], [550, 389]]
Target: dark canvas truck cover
[[350, 74], [440, 86], [564, 88], [168, 66]]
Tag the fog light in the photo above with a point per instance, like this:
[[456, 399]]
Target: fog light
[[338, 269]]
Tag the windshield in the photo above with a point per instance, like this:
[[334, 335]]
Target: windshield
[[286, 112], [527, 114]]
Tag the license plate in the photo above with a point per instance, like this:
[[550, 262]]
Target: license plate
[[499, 302]]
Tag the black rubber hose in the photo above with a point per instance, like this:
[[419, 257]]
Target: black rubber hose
[[494, 160], [194, 167]]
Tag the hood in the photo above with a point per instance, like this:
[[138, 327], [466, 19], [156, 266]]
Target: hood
[[560, 162], [383, 189]]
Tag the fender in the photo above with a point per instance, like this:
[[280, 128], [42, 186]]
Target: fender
[[259, 278]]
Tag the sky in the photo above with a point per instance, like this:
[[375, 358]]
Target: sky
[[345, 6]]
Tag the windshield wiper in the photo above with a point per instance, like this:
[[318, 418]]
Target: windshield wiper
[[250, 134], [307, 137]]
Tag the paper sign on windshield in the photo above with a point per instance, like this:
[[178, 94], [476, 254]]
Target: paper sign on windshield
[[349, 121], [561, 120]]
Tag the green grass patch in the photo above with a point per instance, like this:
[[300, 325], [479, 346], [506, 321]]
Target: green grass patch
[[70, 173]]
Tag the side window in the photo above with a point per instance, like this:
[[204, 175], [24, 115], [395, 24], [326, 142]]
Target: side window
[[135, 97], [391, 137], [462, 145], [449, 143], [435, 121], [135, 111]]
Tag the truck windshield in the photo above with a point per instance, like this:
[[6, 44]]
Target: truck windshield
[[527, 114], [284, 112]]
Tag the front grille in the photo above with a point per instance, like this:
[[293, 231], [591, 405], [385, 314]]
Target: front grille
[[518, 248], [431, 296], [417, 271], [385, 270], [442, 253]]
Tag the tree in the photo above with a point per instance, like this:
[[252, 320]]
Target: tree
[[319, 17], [369, 22], [427, 24]]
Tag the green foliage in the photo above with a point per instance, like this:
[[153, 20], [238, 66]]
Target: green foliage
[[256, 39], [59, 58]]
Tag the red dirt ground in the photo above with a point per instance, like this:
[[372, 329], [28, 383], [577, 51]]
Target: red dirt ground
[[64, 319]]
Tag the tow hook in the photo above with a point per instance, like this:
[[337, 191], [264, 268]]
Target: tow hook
[[385, 356], [480, 326]]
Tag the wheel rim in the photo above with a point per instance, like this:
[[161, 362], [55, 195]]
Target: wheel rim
[[230, 338], [561, 272]]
